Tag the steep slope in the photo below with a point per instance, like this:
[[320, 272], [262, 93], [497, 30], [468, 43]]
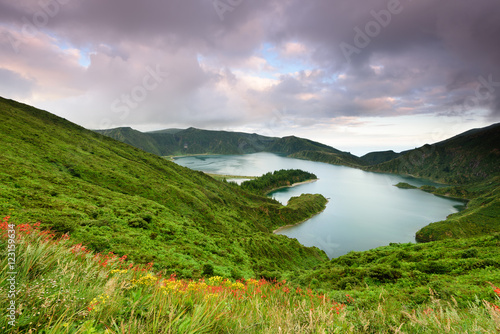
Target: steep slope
[[114, 196], [470, 163], [469, 157]]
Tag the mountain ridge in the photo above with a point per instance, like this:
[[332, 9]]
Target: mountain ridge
[[468, 157], [198, 141]]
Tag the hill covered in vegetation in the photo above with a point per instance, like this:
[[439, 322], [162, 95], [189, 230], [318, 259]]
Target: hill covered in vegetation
[[114, 196], [172, 142], [469, 157], [469, 164]]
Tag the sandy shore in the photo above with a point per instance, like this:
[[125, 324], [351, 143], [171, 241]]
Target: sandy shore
[[292, 185]]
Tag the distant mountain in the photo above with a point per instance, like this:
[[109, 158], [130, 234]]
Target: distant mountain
[[197, 141], [374, 158], [471, 156]]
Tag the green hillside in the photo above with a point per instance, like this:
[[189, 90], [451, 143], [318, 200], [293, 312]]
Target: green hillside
[[64, 288], [472, 156], [482, 216], [114, 196], [134, 138], [469, 163], [344, 159]]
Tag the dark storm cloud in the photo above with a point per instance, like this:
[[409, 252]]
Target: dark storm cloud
[[358, 58], [423, 45]]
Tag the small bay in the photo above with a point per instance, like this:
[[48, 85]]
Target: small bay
[[365, 210]]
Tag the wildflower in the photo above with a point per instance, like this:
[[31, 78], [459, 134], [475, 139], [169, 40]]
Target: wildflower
[[211, 296], [118, 271], [215, 280], [238, 286], [148, 280]]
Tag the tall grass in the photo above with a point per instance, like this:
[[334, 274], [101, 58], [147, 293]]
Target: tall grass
[[65, 288]]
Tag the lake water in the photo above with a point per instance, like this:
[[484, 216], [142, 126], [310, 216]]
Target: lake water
[[364, 211]]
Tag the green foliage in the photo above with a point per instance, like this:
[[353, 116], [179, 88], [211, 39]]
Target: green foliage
[[114, 196], [334, 158], [481, 217], [374, 158], [277, 179], [62, 289], [455, 270]]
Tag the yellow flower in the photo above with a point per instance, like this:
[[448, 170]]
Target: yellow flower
[[238, 286], [252, 281], [210, 296], [118, 271], [215, 280]]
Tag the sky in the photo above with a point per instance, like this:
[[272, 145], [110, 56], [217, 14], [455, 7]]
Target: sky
[[357, 75]]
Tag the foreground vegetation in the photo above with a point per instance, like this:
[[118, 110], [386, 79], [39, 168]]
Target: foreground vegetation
[[65, 288]]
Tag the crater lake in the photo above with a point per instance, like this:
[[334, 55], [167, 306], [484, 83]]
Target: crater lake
[[365, 209]]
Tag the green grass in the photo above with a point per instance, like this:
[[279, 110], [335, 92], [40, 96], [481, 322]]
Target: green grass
[[65, 288]]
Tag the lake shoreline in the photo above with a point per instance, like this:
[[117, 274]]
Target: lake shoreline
[[302, 221], [347, 188], [290, 186]]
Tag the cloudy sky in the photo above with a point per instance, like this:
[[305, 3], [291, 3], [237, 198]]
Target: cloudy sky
[[355, 74]]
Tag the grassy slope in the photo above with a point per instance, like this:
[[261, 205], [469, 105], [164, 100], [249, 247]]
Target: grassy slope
[[134, 138], [114, 196], [191, 141]]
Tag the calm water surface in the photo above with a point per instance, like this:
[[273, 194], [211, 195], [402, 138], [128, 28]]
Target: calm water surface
[[364, 211]]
